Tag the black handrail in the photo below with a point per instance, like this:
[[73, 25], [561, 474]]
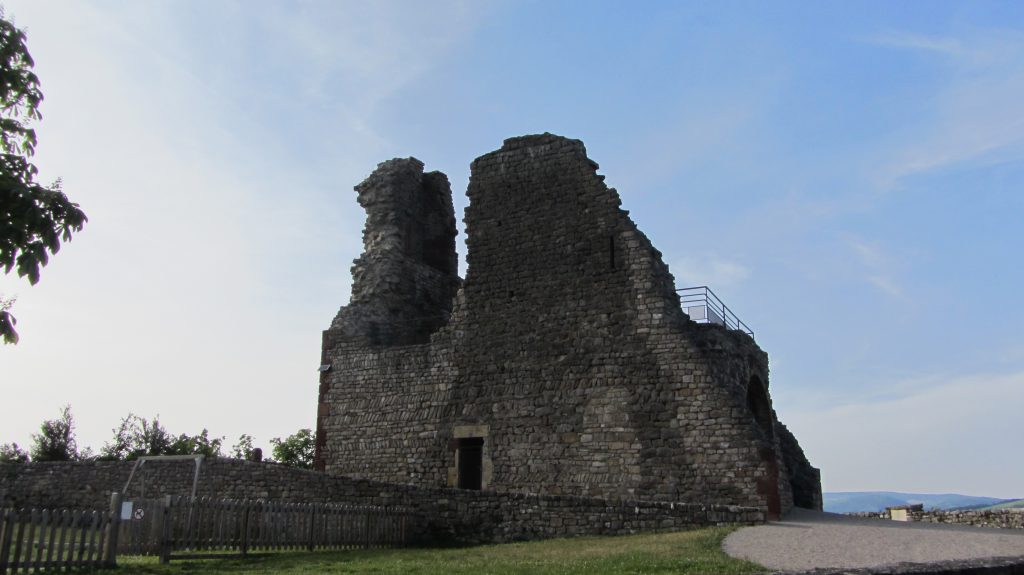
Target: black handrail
[[703, 306]]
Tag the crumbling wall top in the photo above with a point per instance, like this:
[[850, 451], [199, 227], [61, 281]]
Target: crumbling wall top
[[405, 280]]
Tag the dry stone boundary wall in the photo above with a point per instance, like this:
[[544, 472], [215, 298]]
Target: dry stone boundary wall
[[1005, 518], [1002, 518], [443, 514], [1012, 519]]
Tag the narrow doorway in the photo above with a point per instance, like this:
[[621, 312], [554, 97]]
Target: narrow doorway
[[470, 456]]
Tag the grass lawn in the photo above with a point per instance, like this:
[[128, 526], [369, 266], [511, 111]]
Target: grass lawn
[[697, 551]]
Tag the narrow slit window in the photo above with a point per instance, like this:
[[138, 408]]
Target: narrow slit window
[[611, 252]]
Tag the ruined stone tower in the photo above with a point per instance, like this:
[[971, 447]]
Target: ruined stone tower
[[404, 283], [563, 364]]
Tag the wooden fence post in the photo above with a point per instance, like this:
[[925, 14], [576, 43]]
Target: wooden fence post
[[91, 557], [312, 526], [366, 528], [33, 521], [16, 561], [7, 524], [245, 528], [113, 530], [165, 531]]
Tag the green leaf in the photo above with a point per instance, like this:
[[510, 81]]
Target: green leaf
[[34, 219], [7, 323]]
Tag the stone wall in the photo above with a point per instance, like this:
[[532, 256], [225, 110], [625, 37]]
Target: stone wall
[[1002, 518], [805, 480], [497, 517], [443, 514], [88, 484], [566, 353], [1005, 518]]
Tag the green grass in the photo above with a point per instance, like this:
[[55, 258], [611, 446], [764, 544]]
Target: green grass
[[691, 552]]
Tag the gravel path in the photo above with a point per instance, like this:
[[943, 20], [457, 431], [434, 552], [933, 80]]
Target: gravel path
[[811, 539]]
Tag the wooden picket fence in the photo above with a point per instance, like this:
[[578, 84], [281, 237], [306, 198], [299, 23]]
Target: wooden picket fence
[[191, 528], [34, 541], [47, 540]]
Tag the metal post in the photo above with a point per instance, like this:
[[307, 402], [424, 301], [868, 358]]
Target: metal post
[[195, 479]]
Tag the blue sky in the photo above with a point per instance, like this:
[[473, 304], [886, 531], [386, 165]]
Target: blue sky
[[845, 175]]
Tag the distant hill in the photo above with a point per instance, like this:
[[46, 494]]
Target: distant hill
[[1011, 504], [854, 501]]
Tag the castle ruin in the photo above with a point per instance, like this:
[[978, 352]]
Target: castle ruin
[[562, 365]]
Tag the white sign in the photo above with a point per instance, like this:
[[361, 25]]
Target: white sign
[[126, 510], [140, 513]]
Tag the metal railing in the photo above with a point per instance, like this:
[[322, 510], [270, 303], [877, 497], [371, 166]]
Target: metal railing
[[703, 306]]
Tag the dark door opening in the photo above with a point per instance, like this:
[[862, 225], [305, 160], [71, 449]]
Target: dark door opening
[[768, 484], [471, 459]]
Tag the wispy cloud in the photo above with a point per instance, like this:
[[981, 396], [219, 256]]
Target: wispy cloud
[[978, 113], [886, 285], [876, 265], [946, 46]]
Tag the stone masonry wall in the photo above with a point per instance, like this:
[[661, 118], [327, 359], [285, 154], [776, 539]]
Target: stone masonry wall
[[566, 352], [404, 283], [393, 403], [805, 479], [1003, 518], [443, 514]]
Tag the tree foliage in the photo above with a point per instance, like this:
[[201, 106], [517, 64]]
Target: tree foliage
[[136, 437], [56, 440], [244, 448], [7, 321], [34, 219], [296, 450], [11, 453], [201, 444]]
